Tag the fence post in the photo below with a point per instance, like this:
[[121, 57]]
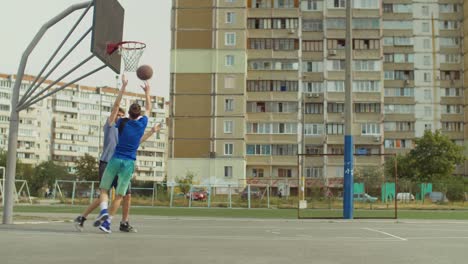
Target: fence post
[[91, 197], [73, 193], [152, 201], [209, 195], [268, 196], [230, 195], [172, 195], [248, 195]]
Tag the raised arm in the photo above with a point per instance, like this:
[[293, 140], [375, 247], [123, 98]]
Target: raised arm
[[146, 88], [148, 134], [115, 108]]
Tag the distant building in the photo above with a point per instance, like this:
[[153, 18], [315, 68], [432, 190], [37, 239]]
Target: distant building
[[68, 124]]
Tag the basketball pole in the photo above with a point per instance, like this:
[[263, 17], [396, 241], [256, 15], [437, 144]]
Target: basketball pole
[[14, 116], [348, 183]]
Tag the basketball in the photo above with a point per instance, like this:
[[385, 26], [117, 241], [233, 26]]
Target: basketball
[[144, 72]]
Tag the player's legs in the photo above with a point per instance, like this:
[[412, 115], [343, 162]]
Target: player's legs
[[124, 172], [79, 221], [112, 169]]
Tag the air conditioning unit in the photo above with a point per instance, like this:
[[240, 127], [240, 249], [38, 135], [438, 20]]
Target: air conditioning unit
[[377, 139], [332, 52]]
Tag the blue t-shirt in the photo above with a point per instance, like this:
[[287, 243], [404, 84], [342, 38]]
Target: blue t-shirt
[[111, 136], [129, 138]]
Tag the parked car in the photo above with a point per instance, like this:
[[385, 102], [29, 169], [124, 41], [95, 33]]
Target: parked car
[[364, 197], [437, 197], [255, 193], [406, 197], [197, 194]]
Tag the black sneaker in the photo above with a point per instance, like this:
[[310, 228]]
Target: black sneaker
[[126, 227], [79, 221]]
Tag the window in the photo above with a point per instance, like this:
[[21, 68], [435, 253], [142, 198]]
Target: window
[[366, 44], [313, 149], [399, 126], [366, 4], [426, 43], [370, 129], [229, 82], [366, 65], [257, 172], [398, 143], [427, 111], [451, 92], [312, 87], [229, 105], [228, 126], [228, 171], [336, 44], [336, 3], [398, 109], [449, 42], [425, 27], [427, 60], [258, 149], [228, 148], [313, 129], [367, 107], [312, 45], [425, 10], [400, 91], [261, 3], [366, 23], [427, 94], [312, 5], [258, 128], [313, 172], [313, 108], [336, 23], [452, 109], [335, 86], [449, 24], [272, 86], [450, 58], [335, 107], [335, 129], [284, 150], [229, 60], [397, 24], [230, 39], [284, 173], [449, 8], [230, 17], [312, 25], [284, 4], [449, 75], [452, 126], [313, 66], [366, 86], [336, 65]]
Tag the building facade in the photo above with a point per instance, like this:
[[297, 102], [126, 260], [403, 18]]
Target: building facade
[[68, 124], [263, 80]]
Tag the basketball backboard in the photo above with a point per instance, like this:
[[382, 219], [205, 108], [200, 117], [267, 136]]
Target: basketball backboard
[[108, 22]]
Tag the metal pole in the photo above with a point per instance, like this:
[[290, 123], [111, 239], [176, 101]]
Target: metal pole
[[14, 117], [100, 121], [3, 186], [348, 138]]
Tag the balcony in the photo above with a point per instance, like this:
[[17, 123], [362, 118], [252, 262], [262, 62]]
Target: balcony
[[272, 96]]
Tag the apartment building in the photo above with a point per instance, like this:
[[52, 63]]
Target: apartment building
[[68, 124], [280, 66]]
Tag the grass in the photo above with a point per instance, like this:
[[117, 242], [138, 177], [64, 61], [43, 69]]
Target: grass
[[256, 213]]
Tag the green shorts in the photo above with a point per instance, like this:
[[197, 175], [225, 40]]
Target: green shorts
[[121, 168]]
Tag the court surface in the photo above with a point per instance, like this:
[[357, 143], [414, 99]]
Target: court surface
[[220, 240]]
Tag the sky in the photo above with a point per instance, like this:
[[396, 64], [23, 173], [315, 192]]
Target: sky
[[145, 20]]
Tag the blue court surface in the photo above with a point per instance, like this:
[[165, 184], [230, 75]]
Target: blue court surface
[[47, 239]]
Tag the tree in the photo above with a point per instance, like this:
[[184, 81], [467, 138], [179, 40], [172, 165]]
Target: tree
[[185, 183], [45, 175], [87, 168], [404, 167], [435, 157]]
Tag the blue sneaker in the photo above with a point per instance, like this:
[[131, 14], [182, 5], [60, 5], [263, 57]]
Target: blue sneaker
[[103, 215], [105, 227]]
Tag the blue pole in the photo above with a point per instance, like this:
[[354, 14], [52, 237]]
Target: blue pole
[[348, 201]]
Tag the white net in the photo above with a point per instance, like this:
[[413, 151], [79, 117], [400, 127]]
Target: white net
[[131, 53]]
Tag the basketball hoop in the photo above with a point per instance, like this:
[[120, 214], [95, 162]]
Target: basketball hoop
[[130, 51]]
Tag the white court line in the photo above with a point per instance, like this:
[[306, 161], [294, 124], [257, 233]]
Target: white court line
[[385, 233]]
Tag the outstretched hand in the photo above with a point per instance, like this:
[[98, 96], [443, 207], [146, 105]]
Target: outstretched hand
[[124, 81], [156, 127], [145, 87]]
